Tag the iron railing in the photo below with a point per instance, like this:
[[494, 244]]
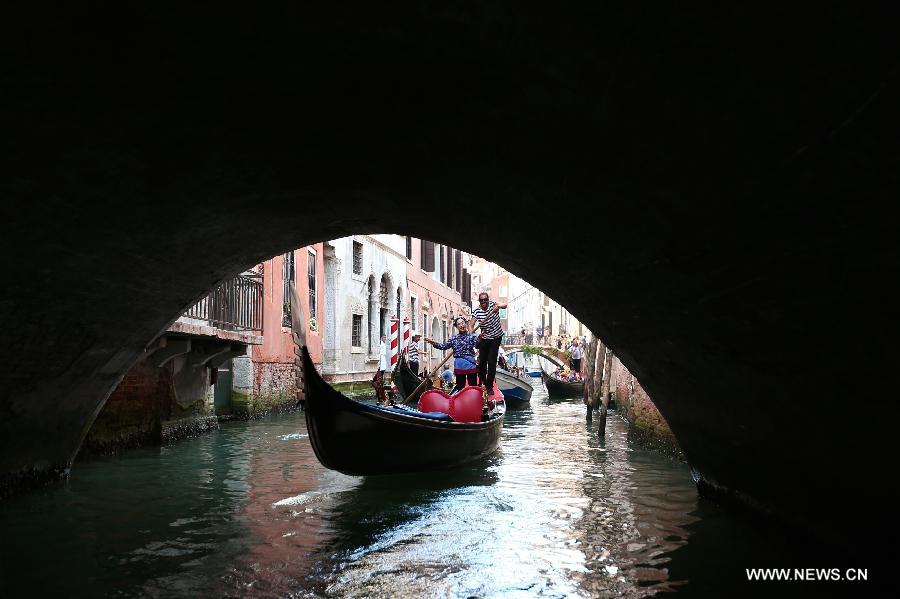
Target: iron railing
[[233, 305]]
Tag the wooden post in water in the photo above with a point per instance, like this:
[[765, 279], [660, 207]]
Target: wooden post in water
[[601, 378], [607, 376], [589, 355]]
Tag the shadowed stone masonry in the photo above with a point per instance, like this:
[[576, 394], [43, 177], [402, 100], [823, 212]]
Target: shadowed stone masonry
[[736, 170], [648, 427]]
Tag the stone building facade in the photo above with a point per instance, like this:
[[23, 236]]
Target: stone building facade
[[365, 285]]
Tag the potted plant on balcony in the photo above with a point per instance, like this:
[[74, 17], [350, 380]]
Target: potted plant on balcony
[[313, 324]]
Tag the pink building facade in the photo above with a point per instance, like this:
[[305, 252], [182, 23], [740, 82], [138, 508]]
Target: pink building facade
[[273, 361]]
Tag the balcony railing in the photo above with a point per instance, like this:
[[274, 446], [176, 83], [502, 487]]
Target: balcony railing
[[234, 305]]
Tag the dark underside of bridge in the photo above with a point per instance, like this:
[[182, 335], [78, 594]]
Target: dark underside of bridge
[[716, 188]]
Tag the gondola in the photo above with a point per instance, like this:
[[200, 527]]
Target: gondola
[[557, 388], [516, 391], [407, 382], [363, 439]]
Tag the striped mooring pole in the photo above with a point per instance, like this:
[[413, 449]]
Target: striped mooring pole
[[395, 340], [405, 333]]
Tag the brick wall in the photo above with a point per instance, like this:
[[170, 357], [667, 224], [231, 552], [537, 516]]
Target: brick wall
[[152, 405], [649, 428], [274, 390], [131, 416]]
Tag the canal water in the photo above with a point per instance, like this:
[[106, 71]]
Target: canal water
[[558, 511]]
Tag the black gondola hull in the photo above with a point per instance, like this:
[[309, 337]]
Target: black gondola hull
[[407, 382], [558, 388], [365, 439]]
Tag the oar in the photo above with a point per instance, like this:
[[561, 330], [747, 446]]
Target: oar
[[438, 367]]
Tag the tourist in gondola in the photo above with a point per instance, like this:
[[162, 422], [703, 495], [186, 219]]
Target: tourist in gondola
[[463, 344], [501, 359], [488, 314], [447, 379], [412, 353]]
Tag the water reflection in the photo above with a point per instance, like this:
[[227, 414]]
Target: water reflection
[[559, 510]]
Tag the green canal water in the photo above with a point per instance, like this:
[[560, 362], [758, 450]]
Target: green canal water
[[558, 511]]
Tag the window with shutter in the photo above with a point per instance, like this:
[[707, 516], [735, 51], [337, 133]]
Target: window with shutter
[[311, 282], [288, 276], [427, 256], [357, 258], [449, 267], [356, 332]]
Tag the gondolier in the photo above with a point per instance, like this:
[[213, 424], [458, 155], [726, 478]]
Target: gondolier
[[412, 353], [488, 314]]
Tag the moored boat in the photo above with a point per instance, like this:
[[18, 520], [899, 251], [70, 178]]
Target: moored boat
[[516, 391], [407, 382]]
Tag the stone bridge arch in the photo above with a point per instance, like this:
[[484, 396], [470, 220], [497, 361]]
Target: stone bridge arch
[[731, 254]]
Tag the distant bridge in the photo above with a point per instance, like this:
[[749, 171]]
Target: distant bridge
[[552, 354]]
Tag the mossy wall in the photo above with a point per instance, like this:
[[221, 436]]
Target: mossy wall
[[648, 427]]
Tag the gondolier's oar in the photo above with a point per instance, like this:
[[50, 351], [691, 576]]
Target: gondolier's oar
[[438, 367]]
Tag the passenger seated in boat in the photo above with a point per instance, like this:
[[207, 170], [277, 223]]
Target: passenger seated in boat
[[446, 379], [463, 343]]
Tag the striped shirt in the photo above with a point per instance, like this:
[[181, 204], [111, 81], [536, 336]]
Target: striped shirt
[[412, 351], [490, 321]]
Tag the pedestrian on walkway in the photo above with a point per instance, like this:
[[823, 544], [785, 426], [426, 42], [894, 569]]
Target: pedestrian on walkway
[[382, 353]]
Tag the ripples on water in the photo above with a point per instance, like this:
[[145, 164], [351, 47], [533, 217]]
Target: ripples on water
[[249, 511]]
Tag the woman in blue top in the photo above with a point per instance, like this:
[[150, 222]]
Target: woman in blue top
[[463, 343]]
